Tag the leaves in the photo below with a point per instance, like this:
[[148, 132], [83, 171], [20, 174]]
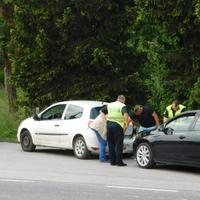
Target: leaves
[[71, 49], [147, 50]]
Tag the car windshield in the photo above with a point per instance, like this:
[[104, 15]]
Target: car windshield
[[95, 112]]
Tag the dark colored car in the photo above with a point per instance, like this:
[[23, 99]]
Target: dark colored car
[[177, 143]]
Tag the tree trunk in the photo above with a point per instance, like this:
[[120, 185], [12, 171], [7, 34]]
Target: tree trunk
[[10, 88], [6, 12]]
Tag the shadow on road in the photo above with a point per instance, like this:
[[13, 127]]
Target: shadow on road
[[178, 168], [71, 153], [64, 152]]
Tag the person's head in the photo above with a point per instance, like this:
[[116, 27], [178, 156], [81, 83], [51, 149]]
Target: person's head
[[138, 109], [175, 105], [121, 98]]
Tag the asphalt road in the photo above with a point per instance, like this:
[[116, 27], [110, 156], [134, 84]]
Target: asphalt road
[[57, 174]]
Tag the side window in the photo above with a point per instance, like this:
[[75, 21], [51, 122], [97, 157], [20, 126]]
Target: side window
[[74, 112], [53, 113], [95, 112], [197, 125], [182, 123]]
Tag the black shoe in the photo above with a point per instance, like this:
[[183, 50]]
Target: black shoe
[[122, 164], [112, 163]]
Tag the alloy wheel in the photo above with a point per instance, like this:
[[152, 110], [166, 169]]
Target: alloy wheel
[[80, 148], [143, 155]]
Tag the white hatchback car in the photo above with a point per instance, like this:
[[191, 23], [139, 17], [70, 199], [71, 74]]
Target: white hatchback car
[[65, 125]]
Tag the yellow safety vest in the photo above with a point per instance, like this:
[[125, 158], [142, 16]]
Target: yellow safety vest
[[170, 111], [115, 113]]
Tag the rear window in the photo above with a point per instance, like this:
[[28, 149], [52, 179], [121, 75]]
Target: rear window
[[95, 112]]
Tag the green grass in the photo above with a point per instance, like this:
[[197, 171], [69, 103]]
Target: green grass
[[8, 121]]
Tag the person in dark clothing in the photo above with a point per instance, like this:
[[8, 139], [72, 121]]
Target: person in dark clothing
[[117, 122], [147, 118]]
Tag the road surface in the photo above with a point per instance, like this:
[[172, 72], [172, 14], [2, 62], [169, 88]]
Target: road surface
[[57, 174]]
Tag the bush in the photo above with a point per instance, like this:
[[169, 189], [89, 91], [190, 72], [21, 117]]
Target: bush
[[1, 77], [8, 122]]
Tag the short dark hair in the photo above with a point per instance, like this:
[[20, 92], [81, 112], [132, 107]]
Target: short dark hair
[[136, 108], [176, 102]]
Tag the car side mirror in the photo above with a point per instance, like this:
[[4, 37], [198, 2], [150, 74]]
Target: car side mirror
[[36, 118], [161, 128], [169, 131]]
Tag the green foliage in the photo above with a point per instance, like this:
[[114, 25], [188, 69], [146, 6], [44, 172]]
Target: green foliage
[[8, 1], [4, 40], [72, 49], [147, 50], [197, 9], [5, 25], [1, 77], [8, 122], [194, 100], [167, 34], [153, 41], [2, 45]]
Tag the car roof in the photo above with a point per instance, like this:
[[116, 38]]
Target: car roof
[[85, 103], [191, 111], [184, 113]]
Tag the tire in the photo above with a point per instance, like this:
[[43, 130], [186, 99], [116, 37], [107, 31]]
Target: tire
[[26, 141], [80, 148], [144, 156]]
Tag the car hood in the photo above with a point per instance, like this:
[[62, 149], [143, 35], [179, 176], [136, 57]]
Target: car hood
[[149, 134], [27, 121], [154, 132]]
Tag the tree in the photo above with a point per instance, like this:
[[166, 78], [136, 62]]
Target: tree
[[167, 34], [147, 50], [6, 15], [73, 50]]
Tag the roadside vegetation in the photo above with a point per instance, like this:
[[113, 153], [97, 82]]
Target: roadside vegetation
[[8, 121], [58, 50]]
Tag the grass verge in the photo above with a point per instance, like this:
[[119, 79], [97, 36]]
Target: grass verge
[[8, 121]]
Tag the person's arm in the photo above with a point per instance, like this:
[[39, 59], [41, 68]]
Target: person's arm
[[165, 117], [132, 119], [126, 121], [155, 116], [126, 117]]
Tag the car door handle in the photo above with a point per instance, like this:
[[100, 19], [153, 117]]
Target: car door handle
[[56, 125], [182, 137]]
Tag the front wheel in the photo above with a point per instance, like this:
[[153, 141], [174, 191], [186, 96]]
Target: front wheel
[[26, 141], [144, 156], [80, 148]]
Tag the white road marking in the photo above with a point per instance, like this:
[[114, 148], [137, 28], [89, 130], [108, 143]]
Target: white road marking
[[16, 180], [140, 188]]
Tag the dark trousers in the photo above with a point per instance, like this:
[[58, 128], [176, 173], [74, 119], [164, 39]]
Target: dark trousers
[[115, 137]]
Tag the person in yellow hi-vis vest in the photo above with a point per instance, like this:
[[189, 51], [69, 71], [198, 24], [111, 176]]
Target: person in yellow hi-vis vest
[[172, 110], [117, 123]]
